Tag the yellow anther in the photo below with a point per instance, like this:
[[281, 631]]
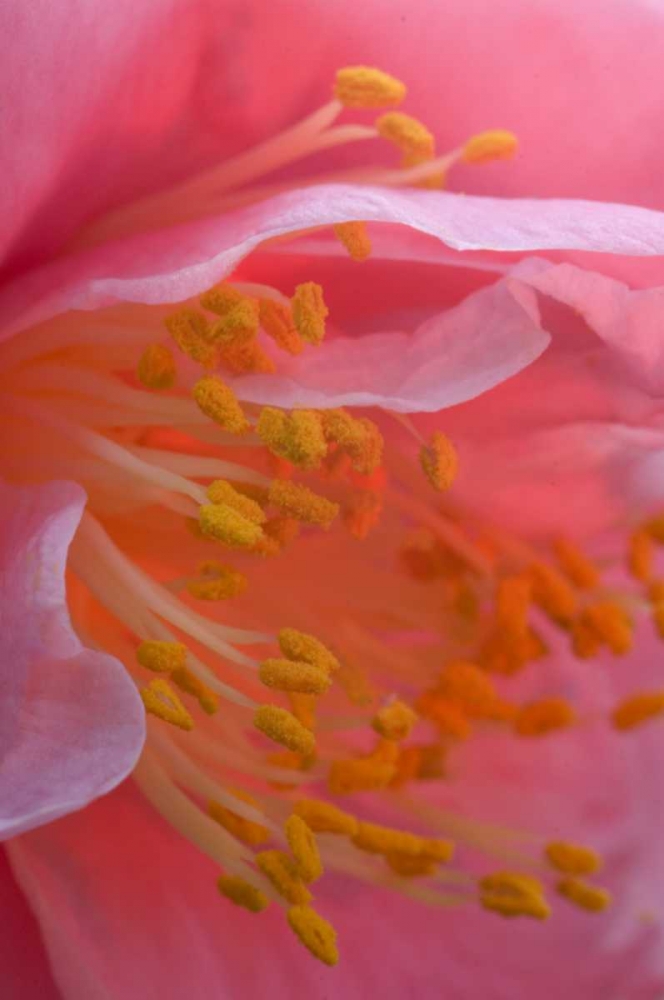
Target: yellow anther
[[277, 321], [355, 238], [638, 709], [447, 715], [317, 935], [309, 312], [407, 133], [298, 645], [410, 867], [359, 438], [221, 522], [242, 893], [293, 675], [221, 299], [282, 530], [640, 556], [186, 681], [362, 775], [439, 461], [572, 859], [304, 848], [376, 839], [612, 625], [514, 895], [222, 492], [189, 329], [503, 653], [162, 657], [297, 438], [238, 326], [576, 565], [283, 873], [217, 582], [656, 591], [497, 144], [655, 528], [394, 721], [512, 605], [303, 707], [361, 512], [542, 717], [367, 87], [246, 357], [467, 684], [246, 830], [322, 817], [161, 700], [588, 897], [418, 762], [295, 500], [585, 641], [218, 402], [156, 367], [553, 593], [282, 727], [658, 618]]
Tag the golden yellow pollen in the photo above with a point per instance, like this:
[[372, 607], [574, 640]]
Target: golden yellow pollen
[[394, 721], [221, 299], [221, 522], [317, 935], [189, 330], [323, 817], [611, 623], [156, 367], [361, 512], [298, 645], [246, 357], [576, 565], [439, 461], [161, 700], [410, 867], [588, 897], [162, 657], [496, 144], [542, 717], [640, 555], [246, 830], [367, 87], [355, 238], [293, 675], [309, 312], [277, 321], [376, 839], [279, 532], [283, 873], [362, 775], [218, 582], [303, 707], [303, 504], [242, 893], [572, 859], [407, 133], [656, 591], [282, 727], [513, 604], [238, 326], [304, 848], [218, 402], [186, 681], [221, 492], [586, 643], [638, 709], [297, 437], [514, 895], [447, 715], [359, 438], [553, 593], [655, 528], [468, 684]]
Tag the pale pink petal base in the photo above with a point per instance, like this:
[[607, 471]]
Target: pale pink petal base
[[71, 721]]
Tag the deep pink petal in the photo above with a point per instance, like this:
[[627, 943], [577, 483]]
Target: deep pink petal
[[71, 722]]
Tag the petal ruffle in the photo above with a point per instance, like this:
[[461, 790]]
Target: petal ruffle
[[71, 721]]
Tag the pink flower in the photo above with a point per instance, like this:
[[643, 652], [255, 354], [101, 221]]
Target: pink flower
[[480, 548]]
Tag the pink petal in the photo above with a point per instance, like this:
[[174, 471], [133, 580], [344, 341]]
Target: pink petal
[[71, 721], [25, 971]]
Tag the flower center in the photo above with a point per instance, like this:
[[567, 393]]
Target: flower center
[[315, 628]]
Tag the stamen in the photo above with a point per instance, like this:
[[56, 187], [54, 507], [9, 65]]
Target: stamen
[[553, 593], [641, 555], [162, 657], [284, 875], [219, 583], [637, 709], [317, 935], [277, 321], [497, 144], [297, 437], [323, 817], [439, 461], [467, 684], [189, 682], [282, 727], [363, 775], [300, 646], [366, 87], [376, 839], [587, 897], [221, 492], [244, 829], [611, 624], [394, 721], [576, 565], [542, 717], [304, 849], [161, 700], [189, 329], [242, 893], [246, 358], [291, 675], [236, 327], [221, 299], [410, 867], [303, 504], [573, 859], [355, 238], [310, 312], [514, 895], [407, 133], [218, 402], [360, 439], [156, 367], [361, 512], [224, 524]]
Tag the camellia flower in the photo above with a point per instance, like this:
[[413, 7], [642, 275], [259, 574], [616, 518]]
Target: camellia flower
[[332, 501]]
